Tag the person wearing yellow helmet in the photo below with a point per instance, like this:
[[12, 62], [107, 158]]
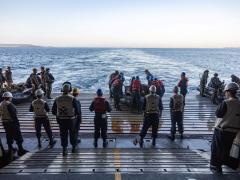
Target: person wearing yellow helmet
[[76, 93]]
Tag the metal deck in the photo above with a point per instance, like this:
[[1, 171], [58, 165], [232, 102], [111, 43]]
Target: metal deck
[[198, 117]]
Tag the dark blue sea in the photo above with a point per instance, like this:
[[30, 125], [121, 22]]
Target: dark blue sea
[[89, 68]]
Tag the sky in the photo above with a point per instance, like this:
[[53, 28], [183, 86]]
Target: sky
[[121, 23]]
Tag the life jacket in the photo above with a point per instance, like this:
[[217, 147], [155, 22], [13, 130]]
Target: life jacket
[[183, 83], [39, 108], [65, 109], [136, 85], [156, 83], [177, 103], [231, 120], [34, 79], [152, 103], [5, 115], [99, 104], [117, 83]]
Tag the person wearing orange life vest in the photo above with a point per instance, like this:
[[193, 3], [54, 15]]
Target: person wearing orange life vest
[[136, 97], [112, 77], [100, 106], [183, 84], [160, 87], [116, 88]]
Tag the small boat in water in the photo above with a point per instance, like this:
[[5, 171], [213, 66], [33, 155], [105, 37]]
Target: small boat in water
[[22, 97]]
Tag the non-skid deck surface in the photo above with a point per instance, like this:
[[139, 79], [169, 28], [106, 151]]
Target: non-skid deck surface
[[110, 161], [198, 117]]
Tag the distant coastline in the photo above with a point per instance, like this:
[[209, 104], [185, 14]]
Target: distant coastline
[[19, 45], [5, 45]]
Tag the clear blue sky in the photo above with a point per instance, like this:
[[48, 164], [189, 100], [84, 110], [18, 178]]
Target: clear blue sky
[[121, 23]]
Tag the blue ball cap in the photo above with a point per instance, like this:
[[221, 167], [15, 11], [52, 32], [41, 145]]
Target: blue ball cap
[[99, 92]]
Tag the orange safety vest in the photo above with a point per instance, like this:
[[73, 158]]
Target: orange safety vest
[[136, 85]]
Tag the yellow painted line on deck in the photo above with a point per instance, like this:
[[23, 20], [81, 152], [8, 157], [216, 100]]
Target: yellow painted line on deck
[[117, 163]]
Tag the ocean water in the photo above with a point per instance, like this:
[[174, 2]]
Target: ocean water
[[89, 68]]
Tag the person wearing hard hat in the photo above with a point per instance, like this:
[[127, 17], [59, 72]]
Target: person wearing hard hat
[[65, 108], [152, 108], [75, 93], [226, 128], [40, 109], [176, 112], [11, 124], [100, 106]]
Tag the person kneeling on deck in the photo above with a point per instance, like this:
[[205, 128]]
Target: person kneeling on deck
[[66, 109], [100, 106], [226, 129], [40, 109], [152, 108], [11, 124], [176, 112], [75, 94]]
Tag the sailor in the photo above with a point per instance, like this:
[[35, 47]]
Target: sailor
[[8, 76], [136, 96], [152, 108], [216, 84], [76, 93], [100, 106], [183, 84], [176, 111], [116, 88], [2, 79], [203, 82], [149, 76], [42, 77], [112, 77], [35, 80], [226, 129], [48, 81], [40, 109], [159, 85], [11, 124], [65, 108]]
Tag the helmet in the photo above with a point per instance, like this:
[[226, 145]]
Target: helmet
[[39, 92], [231, 87], [215, 74], [137, 77], [175, 89], [66, 87], [7, 95], [99, 92], [76, 91], [47, 69], [183, 74], [152, 88]]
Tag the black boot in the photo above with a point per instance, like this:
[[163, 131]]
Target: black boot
[[181, 136], [95, 143], [141, 142], [154, 142], [52, 143], [21, 150], [172, 136], [64, 153], [10, 152], [105, 143], [39, 143], [73, 149]]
